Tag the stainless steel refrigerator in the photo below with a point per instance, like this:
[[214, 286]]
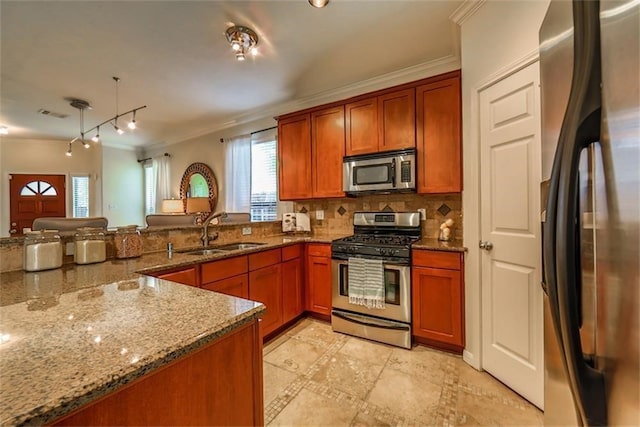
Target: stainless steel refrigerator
[[590, 85]]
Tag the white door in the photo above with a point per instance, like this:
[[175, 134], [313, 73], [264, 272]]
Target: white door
[[510, 169]]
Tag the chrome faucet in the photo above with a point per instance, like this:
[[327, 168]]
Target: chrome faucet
[[205, 227]]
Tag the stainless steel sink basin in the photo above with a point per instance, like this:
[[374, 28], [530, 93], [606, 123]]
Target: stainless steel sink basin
[[237, 246], [204, 252], [224, 248]]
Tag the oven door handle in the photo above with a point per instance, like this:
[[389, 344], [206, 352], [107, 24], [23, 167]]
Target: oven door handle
[[375, 325]]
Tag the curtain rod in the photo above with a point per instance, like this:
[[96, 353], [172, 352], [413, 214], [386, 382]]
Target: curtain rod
[[151, 158], [263, 130]]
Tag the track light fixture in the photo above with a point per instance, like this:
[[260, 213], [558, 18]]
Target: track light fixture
[[82, 105], [243, 40], [69, 153]]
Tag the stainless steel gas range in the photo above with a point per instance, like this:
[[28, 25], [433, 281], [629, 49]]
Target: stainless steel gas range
[[384, 240]]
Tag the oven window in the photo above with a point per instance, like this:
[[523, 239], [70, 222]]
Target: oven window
[[391, 281], [372, 174]]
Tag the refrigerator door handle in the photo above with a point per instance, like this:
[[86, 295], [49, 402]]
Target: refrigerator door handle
[[581, 127]]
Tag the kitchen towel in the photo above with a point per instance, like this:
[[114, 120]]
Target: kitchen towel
[[366, 283]]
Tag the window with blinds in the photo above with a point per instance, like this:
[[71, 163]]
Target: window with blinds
[[264, 183], [149, 189], [80, 196]]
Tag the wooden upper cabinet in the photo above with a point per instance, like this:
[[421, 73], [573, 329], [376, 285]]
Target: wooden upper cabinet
[[294, 157], [397, 120], [361, 125], [327, 151], [439, 142]]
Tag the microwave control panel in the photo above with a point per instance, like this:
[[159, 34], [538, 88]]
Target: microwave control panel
[[405, 171]]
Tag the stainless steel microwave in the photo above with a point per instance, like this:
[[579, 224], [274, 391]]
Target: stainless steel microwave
[[391, 171]]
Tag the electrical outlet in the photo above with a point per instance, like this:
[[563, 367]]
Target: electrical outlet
[[320, 214], [423, 214], [246, 231]]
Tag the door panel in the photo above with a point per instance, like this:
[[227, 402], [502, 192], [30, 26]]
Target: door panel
[[397, 120], [34, 196], [327, 151], [361, 125], [510, 174], [294, 157]]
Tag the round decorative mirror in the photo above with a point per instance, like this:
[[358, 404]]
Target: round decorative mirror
[[199, 181]]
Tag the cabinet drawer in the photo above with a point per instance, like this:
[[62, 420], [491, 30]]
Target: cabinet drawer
[[188, 276], [319, 249], [437, 259], [237, 286], [219, 270], [291, 252], [264, 259]]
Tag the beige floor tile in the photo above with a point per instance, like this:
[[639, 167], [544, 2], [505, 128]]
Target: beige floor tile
[[275, 381], [491, 410], [274, 343], [420, 361], [319, 333], [311, 409], [350, 375], [362, 420], [468, 376], [410, 396], [295, 355], [367, 351], [298, 326]]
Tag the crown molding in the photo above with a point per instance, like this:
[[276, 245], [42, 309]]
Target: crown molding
[[466, 11], [404, 75]]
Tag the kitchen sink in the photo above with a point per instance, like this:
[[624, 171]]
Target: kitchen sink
[[204, 252], [237, 246], [224, 248]]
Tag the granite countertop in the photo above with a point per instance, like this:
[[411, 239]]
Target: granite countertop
[[438, 245], [71, 335]]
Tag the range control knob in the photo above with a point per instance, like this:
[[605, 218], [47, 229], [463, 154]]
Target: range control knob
[[383, 251]]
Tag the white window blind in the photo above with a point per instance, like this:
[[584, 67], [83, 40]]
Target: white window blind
[[264, 182], [80, 196], [149, 189]]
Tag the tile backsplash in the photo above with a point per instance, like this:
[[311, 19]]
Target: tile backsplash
[[338, 213]]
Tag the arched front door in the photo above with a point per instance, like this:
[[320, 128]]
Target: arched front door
[[34, 196]]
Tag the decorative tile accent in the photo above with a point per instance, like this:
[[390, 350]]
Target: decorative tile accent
[[387, 208], [444, 209], [341, 210], [303, 210]]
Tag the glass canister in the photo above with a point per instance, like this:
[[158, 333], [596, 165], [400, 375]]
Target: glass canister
[[90, 246], [42, 250], [128, 242]]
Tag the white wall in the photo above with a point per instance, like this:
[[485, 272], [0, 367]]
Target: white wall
[[122, 188], [498, 35], [30, 156], [205, 149]]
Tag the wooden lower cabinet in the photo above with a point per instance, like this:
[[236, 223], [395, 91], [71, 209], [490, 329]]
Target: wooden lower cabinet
[[438, 300], [237, 286], [265, 286], [292, 305], [219, 384], [318, 287], [187, 276]]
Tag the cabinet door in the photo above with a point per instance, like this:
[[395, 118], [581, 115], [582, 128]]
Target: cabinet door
[[319, 284], [188, 276], [438, 137], [327, 151], [294, 157], [437, 305], [361, 126], [237, 286], [292, 289], [397, 120], [265, 286]]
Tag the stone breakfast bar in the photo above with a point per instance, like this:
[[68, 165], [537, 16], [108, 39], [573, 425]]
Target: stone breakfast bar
[[106, 344]]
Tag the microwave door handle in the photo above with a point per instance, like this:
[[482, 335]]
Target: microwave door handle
[[393, 173]]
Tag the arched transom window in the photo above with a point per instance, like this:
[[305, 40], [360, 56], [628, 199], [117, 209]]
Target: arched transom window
[[35, 188]]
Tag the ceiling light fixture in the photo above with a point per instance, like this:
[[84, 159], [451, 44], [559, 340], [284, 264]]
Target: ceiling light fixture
[[82, 105], [69, 153], [318, 3], [243, 40], [4, 130]]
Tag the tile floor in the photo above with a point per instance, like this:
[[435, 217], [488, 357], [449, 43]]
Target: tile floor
[[314, 376]]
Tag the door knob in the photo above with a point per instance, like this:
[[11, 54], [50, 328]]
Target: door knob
[[487, 246], [13, 231]]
